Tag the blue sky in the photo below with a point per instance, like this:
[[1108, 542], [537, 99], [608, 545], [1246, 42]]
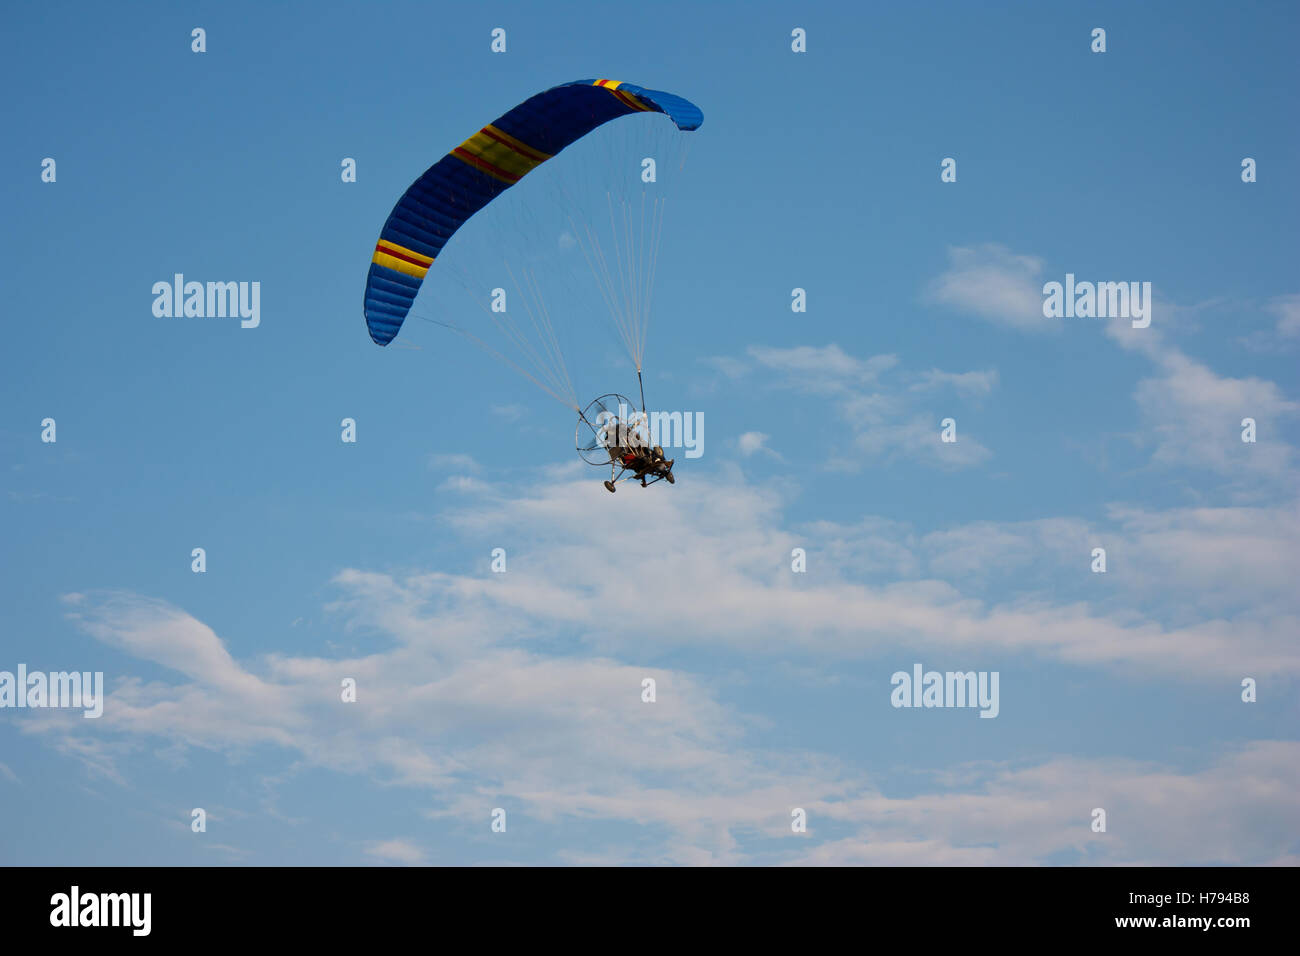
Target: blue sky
[[522, 690]]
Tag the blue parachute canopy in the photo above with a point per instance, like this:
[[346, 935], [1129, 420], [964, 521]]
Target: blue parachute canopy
[[481, 168]]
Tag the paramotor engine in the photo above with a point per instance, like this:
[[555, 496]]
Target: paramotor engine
[[612, 432]]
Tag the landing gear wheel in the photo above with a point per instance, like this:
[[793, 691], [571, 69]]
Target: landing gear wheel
[[609, 486], [671, 479], [659, 452]]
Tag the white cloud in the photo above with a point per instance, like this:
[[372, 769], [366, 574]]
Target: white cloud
[[718, 555], [477, 685], [876, 401], [462, 463], [1210, 560], [751, 443], [1193, 418], [1230, 813], [815, 367], [154, 630], [1287, 310], [463, 483], [396, 851], [994, 283], [968, 383], [1191, 415]]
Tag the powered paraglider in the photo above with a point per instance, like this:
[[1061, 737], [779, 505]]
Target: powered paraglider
[[614, 183]]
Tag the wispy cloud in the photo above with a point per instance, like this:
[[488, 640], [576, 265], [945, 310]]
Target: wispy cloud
[[396, 851], [966, 383], [996, 284], [1227, 813], [1192, 416], [455, 463], [468, 695], [1287, 310], [750, 444], [877, 400]]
